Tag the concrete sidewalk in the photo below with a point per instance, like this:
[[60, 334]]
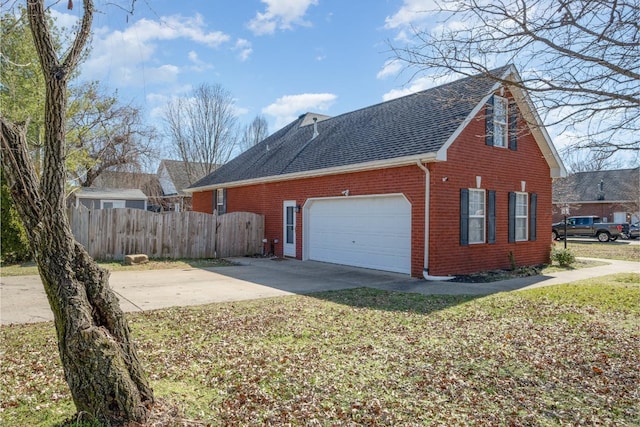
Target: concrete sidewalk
[[22, 298]]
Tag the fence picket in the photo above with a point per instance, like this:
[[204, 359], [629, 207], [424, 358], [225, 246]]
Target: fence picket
[[114, 233]]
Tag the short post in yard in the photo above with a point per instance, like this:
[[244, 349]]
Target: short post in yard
[[565, 212]]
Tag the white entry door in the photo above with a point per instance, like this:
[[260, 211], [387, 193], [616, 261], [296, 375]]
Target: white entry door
[[289, 228], [365, 231]]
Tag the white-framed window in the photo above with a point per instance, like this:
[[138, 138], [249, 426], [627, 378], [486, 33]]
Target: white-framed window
[[500, 121], [112, 204], [477, 211], [522, 216], [220, 202]]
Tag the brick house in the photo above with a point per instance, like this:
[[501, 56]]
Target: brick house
[[613, 195], [451, 180]]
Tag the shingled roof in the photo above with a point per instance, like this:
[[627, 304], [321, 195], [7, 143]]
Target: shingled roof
[[413, 125], [620, 185], [182, 174]]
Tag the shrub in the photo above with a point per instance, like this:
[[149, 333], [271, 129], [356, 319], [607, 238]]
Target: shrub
[[564, 257], [512, 260], [14, 245]]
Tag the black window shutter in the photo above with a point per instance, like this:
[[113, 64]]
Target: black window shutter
[[489, 122], [513, 126], [533, 217], [464, 217], [491, 216], [512, 217], [224, 201]]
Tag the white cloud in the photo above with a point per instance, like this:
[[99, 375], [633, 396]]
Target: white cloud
[[280, 15], [244, 48], [127, 56], [411, 13], [417, 85], [198, 64], [64, 20], [163, 73], [390, 68], [288, 107]]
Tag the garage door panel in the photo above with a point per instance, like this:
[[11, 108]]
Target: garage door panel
[[371, 232]]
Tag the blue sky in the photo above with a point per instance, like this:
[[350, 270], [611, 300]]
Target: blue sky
[[278, 58]]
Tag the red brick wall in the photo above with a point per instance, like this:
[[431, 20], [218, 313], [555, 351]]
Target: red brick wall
[[202, 202], [267, 199], [501, 170]]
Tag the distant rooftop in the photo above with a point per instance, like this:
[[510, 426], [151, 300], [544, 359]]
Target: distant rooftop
[[606, 185], [110, 193]]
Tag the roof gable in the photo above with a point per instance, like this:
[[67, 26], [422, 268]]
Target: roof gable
[[412, 128], [598, 186], [182, 174]]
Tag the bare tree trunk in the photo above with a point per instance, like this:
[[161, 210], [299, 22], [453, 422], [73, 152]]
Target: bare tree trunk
[[100, 363]]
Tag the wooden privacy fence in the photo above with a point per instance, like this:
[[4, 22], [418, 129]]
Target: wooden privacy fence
[[114, 233]]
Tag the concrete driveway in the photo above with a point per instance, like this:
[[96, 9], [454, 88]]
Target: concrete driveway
[[22, 298]]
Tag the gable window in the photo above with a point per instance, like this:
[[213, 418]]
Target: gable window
[[501, 123], [500, 110], [221, 201]]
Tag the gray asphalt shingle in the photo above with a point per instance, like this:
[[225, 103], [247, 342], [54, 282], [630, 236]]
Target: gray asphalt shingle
[[606, 185], [412, 125]]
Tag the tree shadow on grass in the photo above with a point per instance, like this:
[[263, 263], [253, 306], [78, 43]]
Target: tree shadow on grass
[[378, 299]]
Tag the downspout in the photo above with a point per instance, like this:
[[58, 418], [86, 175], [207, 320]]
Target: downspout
[[427, 191]]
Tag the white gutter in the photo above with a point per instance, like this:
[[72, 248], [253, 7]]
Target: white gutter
[[427, 191], [360, 167]]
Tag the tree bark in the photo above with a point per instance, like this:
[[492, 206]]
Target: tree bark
[[99, 358]]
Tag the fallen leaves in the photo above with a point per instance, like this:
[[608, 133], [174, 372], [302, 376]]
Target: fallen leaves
[[367, 357]]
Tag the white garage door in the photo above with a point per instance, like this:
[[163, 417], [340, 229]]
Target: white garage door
[[371, 232]]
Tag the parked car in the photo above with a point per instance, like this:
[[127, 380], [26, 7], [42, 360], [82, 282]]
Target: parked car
[[634, 230], [589, 226]]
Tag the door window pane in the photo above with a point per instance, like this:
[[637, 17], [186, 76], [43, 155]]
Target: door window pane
[[289, 231]]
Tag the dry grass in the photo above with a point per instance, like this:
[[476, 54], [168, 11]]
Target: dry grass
[[620, 249], [564, 355], [30, 268]]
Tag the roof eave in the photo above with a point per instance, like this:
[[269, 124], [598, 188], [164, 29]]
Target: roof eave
[[110, 197], [358, 167]]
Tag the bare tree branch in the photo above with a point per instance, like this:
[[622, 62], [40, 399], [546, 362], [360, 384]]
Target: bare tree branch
[[579, 59], [203, 129]]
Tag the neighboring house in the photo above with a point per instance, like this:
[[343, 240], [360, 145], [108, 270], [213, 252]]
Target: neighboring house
[[451, 180], [613, 195], [147, 182], [176, 175], [109, 198]]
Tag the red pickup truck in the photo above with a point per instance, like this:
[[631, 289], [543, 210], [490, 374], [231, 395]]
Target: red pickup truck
[[589, 226]]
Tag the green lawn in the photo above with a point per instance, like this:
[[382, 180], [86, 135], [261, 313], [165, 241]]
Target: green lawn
[[620, 249], [553, 356]]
